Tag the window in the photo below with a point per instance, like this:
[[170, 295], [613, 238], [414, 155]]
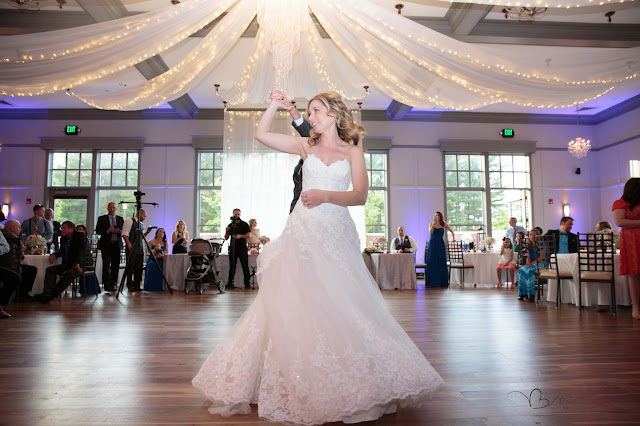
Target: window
[[376, 207], [117, 179], [634, 168], [484, 190], [70, 169], [209, 191]]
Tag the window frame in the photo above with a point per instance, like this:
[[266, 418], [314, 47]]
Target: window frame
[[199, 187]]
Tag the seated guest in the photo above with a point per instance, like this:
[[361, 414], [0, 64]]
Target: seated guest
[[159, 247], [513, 229], [254, 238], [10, 261], [180, 238], [601, 226], [521, 242], [73, 247], [37, 224], [9, 280], [507, 261], [527, 273], [565, 240], [402, 243]]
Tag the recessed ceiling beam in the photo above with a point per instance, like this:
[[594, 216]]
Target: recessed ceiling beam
[[463, 17]]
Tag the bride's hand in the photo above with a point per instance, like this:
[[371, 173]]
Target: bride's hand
[[280, 98], [312, 198]]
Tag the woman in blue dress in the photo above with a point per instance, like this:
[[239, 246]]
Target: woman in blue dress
[[527, 273], [437, 273], [159, 246]]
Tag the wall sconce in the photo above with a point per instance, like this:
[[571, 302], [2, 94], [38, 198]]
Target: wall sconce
[[5, 210], [566, 210]]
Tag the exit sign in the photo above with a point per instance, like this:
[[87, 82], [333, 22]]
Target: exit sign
[[507, 133], [71, 130]]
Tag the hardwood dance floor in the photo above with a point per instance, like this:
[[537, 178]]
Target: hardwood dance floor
[[104, 361]]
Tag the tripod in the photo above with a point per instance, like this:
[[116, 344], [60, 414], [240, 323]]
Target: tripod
[[141, 235]]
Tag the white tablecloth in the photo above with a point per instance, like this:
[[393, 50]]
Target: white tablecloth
[[592, 293], [392, 270], [41, 262], [222, 265], [483, 271], [175, 268]]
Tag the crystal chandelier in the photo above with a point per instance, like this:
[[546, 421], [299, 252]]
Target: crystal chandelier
[[579, 148]]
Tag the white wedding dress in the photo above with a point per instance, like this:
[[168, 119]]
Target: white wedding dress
[[318, 343]]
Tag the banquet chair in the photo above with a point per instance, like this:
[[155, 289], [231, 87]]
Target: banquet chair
[[253, 246], [423, 266], [547, 266], [595, 263], [455, 256], [89, 268]]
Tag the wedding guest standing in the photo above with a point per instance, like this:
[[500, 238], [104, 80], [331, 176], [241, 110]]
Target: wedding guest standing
[[159, 247], [180, 238], [37, 224], [437, 273], [626, 214], [109, 227]]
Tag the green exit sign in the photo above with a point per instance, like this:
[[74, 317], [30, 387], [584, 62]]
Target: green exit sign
[[71, 130], [507, 133]]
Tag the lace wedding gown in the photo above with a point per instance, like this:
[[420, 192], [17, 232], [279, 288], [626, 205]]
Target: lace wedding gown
[[318, 343]]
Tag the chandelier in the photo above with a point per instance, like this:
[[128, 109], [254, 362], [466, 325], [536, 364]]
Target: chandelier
[[578, 147], [526, 14]]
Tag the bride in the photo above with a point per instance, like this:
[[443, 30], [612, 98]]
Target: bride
[[318, 343]]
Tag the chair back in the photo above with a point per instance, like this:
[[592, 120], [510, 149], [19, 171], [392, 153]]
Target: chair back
[[253, 246], [455, 252], [546, 252], [91, 256], [595, 252]]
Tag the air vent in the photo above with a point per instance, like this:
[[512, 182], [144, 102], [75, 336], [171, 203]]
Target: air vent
[[5, 103]]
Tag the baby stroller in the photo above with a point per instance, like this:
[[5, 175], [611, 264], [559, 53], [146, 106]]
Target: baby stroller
[[202, 253]]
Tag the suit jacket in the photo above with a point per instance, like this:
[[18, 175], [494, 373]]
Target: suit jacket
[[77, 249], [105, 236], [11, 259], [572, 243], [304, 130]]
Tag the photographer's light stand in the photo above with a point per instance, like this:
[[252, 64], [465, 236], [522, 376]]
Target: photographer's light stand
[[138, 204]]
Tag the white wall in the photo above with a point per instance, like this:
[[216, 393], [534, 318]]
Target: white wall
[[168, 166]]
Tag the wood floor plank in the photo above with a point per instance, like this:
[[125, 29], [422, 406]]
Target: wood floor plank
[[505, 362]]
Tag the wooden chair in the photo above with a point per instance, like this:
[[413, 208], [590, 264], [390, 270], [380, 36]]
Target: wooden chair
[[547, 266], [455, 257], [423, 266], [595, 262], [253, 245]]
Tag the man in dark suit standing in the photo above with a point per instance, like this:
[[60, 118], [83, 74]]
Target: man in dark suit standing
[[303, 127], [73, 247], [109, 227], [566, 241]]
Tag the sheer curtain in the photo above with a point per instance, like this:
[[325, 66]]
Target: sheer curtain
[[257, 179]]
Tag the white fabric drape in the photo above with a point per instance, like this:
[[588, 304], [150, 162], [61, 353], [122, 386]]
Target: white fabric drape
[[405, 60], [257, 179], [56, 60]]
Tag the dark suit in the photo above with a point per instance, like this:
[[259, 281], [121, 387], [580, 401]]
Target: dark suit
[[12, 273], [110, 249], [72, 251], [572, 243], [304, 130]]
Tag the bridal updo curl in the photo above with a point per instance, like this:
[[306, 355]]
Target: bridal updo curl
[[348, 130]]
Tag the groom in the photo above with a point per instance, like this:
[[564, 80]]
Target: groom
[[304, 129]]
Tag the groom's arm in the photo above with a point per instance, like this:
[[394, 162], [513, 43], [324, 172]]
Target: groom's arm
[[302, 126]]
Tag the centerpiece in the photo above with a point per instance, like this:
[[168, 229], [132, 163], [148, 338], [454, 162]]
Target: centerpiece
[[35, 244]]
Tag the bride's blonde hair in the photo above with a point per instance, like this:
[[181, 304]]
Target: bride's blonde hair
[[348, 130]]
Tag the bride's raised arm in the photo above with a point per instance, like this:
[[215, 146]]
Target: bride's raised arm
[[277, 141]]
